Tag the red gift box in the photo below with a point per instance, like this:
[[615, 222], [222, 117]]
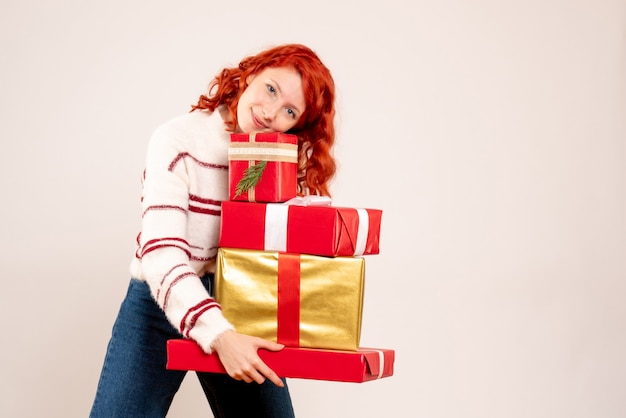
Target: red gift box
[[363, 365], [279, 151], [317, 230]]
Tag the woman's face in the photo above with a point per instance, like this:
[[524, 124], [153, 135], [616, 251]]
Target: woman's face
[[273, 101]]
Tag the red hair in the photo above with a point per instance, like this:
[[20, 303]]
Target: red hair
[[315, 128]]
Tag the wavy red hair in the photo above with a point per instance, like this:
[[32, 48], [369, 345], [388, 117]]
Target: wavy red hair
[[315, 128]]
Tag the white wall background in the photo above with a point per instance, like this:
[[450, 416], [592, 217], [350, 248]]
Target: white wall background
[[491, 133]]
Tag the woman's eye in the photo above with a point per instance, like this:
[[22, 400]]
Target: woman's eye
[[271, 89], [291, 113]]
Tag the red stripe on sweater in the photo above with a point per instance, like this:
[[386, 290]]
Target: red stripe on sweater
[[183, 155], [163, 207], [155, 244], [195, 198], [156, 240], [165, 277], [194, 319], [192, 309], [205, 211], [213, 257], [170, 272], [172, 284]]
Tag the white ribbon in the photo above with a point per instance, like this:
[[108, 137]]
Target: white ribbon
[[276, 217], [276, 227], [361, 236], [309, 200]]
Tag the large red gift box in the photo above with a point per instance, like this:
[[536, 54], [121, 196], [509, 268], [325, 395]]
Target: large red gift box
[[278, 181], [363, 365], [318, 230]]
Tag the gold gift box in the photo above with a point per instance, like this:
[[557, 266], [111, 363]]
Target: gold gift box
[[330, 297]]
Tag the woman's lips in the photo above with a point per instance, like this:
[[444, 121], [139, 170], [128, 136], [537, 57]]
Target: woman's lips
[[257, 121]]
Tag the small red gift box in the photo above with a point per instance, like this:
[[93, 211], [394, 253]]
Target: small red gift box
[[317, 230], [277, 180], [363, 365]]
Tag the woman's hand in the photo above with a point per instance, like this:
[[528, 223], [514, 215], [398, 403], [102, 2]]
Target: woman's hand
[[238, 354]]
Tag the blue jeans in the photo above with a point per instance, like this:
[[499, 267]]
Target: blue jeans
[[134, 382]]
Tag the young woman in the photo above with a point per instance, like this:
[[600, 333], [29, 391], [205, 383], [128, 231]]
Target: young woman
[[284, 89]]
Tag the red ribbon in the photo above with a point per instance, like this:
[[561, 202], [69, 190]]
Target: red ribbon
[[288, 320]]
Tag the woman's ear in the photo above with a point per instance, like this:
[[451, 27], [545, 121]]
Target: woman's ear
[[249, 79]]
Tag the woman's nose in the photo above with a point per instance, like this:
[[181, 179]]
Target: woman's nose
[[269, 112]]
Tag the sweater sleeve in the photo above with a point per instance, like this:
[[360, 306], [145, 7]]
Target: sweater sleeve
[[164, 247]]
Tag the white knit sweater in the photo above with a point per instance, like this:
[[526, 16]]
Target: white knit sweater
[[185, 180]]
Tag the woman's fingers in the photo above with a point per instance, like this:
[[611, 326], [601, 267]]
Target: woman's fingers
[[240, 358], [258, 372], [263, 368], [271, 375], [269, 345]]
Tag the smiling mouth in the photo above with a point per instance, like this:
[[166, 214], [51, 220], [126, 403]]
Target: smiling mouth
[[258, 121]]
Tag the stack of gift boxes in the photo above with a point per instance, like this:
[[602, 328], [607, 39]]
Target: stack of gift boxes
[[290, 269]]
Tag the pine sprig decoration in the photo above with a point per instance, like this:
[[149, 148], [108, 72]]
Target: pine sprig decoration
[[251, 177]]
